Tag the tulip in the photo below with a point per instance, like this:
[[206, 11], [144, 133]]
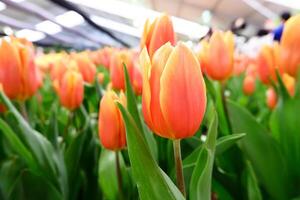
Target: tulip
[[249, 85], [104, 56], [18, 73], [267, 64], [71, 89], [220, 55], [158, 33], [86, 67], [173, 78], [289, 83], [111, 126], [202, 55], [116, 68], [271, 98], [100, 77], [136, 75], [290, 46]]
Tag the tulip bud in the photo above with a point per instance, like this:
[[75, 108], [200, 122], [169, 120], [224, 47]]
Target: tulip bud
[[136, 76], [105, 56], [18, 73], [271, 98], [86, 67], [173, 78], [249, 85], [110, 123], [71, 89], [202, 55], [220, 56], [117, 69], [289, 83], [100, 78], [290, 46], [158, 33]]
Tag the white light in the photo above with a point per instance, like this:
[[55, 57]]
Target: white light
[[48, 27], [17, 1], [294, 4], [138, 16], [30, 35], [116, 26], [7, 30], [69, 19], [206, 16], [2, 6]]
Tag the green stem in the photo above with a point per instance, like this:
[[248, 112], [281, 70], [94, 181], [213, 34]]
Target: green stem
[[119, 175], [70, 118], [24, 110], [178, 165], [223, 88]]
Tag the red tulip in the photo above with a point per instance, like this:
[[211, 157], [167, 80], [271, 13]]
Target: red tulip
[[71, 89], [174, 93], [271, 98], [249, 85], [220, 56], [290, 46], [111, 126], [86, 67], [158, 33]]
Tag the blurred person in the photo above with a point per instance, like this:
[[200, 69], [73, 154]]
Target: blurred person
[[277, 32]]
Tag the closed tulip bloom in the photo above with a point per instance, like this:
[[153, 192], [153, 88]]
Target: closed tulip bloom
[[202, 55], [136, 75], [71, 89], [249, 85], [289, 82], [266, 64], [100, 77], [110, 125], [158, 33], [105, 56], [290, 46], [117, 70], [174, 93], [86, 67], [19, 75], [220, 56], [271, 98]]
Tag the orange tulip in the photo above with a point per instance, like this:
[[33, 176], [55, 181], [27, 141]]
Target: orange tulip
[[289, 83], [267, 64], [100, 77], [202, 55], [71, 89], [174, 92], [110, 125], [116, 68], [86, 67], [271, 98], [290, 46], [220, 55], [136, 76], [158, 33], [104, 56], [249, 85], [18, 73]]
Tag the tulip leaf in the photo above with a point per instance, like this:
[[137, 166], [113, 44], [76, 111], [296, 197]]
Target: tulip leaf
[[200, 185], [253, 190], [134, 112], [227, 141], [48, 159], [262, 151], [151, 182], [107, 174]]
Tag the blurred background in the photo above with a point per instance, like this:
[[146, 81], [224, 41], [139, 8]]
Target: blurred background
[[90, 24]]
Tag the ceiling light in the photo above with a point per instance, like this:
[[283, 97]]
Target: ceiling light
[[2, 6], [7, 30], [30, 35], [69, 19], [48, 27]]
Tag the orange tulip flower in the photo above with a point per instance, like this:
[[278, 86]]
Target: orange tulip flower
[[71, 89], [86, 67], [158, 33], [249, 85], [117, 70], [267, 63], [203, 56], [220, 55], [110, 123], [104, 56], [290, 46], [136, 75], [100, 77], [19, 75], [271, 98], [289, 83], [174, 92]]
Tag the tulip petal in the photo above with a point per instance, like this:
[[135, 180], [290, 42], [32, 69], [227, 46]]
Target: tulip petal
[[183, 93]]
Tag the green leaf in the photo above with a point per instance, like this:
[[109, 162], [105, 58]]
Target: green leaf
[[107, 176], [253, 190], [133, 110], [226, 142], [151, 182], [200, 185], [262, 151]]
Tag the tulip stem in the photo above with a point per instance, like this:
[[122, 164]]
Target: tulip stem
[[70, 118], [24, 111], [119, 175], [178, 165], [223, 88]]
